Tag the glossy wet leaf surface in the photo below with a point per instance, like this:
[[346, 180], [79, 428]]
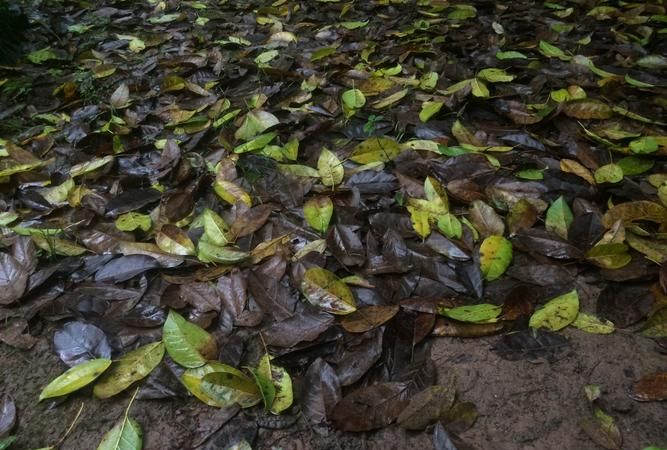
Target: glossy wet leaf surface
[[347, 201]]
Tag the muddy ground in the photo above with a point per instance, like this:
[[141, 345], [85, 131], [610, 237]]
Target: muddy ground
[[522, 404]]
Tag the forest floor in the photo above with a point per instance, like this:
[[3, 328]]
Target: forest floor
[[300, 225]]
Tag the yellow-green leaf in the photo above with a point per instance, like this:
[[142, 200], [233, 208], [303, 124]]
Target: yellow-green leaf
[[131, 367], [132, 220], [282, 383], [609, 173], [609, 256], [420, 221], [216, 231], [125, 435], [324, 289], [75, 378], [592, 324], [254, 123], [230, 386], [481, 313], [231, 192], [375, 149], [330, 168], [429, 109], [318, 212], [218, 394], [495, 256], [187, 344], [211, 253], [557, 313], [171, 239], [559, 217]]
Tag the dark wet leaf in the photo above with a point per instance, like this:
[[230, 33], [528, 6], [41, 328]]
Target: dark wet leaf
[[306, 326], [15, 333], [624, 305], [371, 407], [546, 243], [530, 344], [321, 392], [131, 201], [427, 407], [346, 246], [366, 319], [77, 342], [13, 279], [7, 415], [124, 268]]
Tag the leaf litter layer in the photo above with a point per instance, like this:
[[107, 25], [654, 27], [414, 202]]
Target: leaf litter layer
[[282, 207]]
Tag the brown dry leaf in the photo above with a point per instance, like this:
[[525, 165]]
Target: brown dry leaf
[[650, 388]]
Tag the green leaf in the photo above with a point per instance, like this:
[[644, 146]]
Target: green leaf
[[634, 165], [482, 313], [216, 231], [187, 344], [321, 53], [133, 220], [510, 55], [479, 89], [330, 168], [495, 256], [125, 435], [557, 313], [450, 226], [7, 442], [353, 99], [428, 81], [214, 392], [57, 195], [211, 253], [656, 325], [57, 246], [530, 174], [318, 212], [257, 143], [375, 149], [353, 25], [551, 51], [281, 381], [592, 324], [254, 123], [264, 58], [266, 388], [171, 239], [40, 56], [644, 145], [609, 173], [323, 289], [130, 368], [493, 75], [559, 217], [429, 109], [75, 378], [609, 256]]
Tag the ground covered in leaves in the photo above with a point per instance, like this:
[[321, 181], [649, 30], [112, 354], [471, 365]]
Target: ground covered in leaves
[[335, 225]]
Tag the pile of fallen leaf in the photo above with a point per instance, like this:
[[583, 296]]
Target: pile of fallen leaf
[[249, 193]]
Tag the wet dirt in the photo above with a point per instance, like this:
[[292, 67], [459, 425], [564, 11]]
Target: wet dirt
[[522, 404]]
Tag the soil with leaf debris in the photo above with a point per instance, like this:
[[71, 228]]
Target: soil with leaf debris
[[333, 225]]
